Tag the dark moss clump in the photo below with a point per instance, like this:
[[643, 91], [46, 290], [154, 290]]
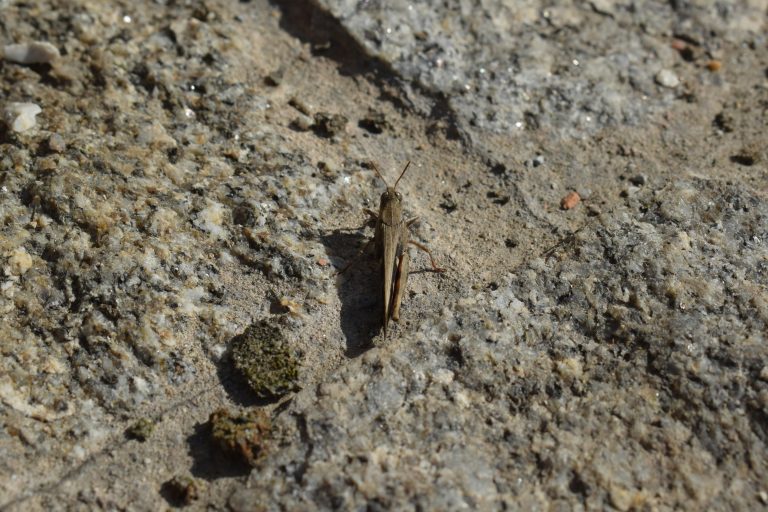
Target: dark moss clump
[[243, 435], [262, 357], [141, 429]]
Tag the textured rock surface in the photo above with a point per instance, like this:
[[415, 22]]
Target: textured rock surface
[[577, 66], [199, 167]]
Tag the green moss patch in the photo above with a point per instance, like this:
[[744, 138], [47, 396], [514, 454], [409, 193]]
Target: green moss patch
[[263, 358]]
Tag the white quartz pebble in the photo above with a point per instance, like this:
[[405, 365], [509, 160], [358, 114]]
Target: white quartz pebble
[[20, 117], [667, 78], [36, 52]]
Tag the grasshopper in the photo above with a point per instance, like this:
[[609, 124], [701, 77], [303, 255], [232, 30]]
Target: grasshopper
[[390, 240]]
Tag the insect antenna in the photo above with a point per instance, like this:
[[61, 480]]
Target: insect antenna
[[401, 174], [379, 174]]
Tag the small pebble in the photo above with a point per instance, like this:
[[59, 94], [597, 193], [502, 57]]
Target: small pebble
[[300, 106], [629, 191], [724, 122], [448, 204], [20, 117], [593, 210], [679, 44], [19, 262], [56, 143], [302, 123], [37, 52], [275, 78], [539, 160], [182, 490], [570, 200], [374, 122], [329, 125], [667, 78], [748, 156], [141, 429]]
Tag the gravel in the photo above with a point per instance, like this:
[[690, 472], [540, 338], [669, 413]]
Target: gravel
[[201, 169]]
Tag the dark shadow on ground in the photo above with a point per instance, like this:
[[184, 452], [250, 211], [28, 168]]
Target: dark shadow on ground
[[311, 24], [358, 288], [328, 38]]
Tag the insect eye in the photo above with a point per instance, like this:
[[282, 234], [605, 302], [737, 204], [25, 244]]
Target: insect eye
[[399, 195]]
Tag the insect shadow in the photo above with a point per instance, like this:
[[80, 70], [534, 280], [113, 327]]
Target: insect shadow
[[359, 289]]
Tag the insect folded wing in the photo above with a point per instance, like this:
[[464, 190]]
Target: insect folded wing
[[401, 280], [390, 251]]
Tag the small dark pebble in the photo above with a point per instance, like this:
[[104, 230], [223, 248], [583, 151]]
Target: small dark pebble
[[638, 180], [593, 210], [374, 122], [687, 55], [141, 429], [243, 216], [300, 106], [723, 122], [531, 121], [747, 157], [448, 204], [511, 243], [277, 307], [275, 78], [328, 173], [629, 191], [181, 490], [56, 143], [329, 125], [497, 199], [499, 169]]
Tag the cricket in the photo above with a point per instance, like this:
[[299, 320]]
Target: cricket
[[390, 240]]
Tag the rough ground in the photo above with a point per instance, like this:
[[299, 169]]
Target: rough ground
[[189, 175]]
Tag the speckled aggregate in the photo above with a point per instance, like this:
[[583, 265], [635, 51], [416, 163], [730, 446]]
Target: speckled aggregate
[[200, 167]]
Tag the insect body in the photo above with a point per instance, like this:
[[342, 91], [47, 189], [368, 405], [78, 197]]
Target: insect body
[[391, 240]]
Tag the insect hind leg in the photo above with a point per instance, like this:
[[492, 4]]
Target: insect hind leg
[[431, 259]]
